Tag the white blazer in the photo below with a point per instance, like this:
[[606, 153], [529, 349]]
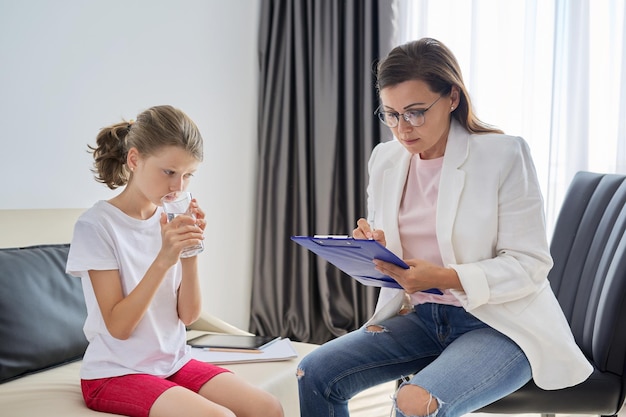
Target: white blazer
[[491, 230]]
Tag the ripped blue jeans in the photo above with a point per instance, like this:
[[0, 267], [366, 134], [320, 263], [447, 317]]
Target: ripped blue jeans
[[460, 361]]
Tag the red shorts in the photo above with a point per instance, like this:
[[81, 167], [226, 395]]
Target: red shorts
[[133, 395]]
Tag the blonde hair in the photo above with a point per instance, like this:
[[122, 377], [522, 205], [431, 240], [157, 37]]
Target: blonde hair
[[155, 128]]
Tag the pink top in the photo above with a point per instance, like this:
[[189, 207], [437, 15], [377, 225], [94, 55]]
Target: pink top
[[416, 221]]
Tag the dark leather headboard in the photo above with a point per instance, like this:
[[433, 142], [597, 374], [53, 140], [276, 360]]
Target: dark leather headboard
[[42, 311]]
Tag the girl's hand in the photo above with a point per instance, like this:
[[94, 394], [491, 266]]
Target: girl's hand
[[183, 231], [195, 209], [365, 231]]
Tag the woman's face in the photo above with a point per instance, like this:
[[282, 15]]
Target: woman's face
[[428, 140]]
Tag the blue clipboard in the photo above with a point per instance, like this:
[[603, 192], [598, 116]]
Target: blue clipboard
[[354, 257]]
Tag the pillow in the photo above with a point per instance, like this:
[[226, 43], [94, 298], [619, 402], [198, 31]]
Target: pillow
[[42, 311]]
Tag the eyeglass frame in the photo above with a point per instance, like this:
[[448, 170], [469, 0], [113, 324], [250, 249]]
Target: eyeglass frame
[[417, 113]]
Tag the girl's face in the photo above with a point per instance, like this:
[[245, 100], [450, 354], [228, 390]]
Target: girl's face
[[429, 140], [170, 169]]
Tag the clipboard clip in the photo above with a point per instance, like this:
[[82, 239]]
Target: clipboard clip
[[331, 237]]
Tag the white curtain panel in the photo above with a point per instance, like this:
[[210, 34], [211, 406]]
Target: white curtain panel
[[551, 71]]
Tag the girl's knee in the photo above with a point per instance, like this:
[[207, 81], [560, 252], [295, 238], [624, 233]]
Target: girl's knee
[[260, 403], [273, 407], [413, 400]]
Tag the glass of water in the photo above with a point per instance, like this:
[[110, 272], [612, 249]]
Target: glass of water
[[175, 204]]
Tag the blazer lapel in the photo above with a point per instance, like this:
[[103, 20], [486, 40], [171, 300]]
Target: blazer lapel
[[450, 188], [394, 180]]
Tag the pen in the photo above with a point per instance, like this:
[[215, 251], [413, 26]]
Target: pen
[[370, 221]]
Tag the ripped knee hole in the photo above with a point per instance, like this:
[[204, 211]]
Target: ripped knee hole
[[375, 328], [410, 396]]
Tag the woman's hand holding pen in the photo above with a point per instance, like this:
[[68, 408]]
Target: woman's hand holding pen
[[366, 230]]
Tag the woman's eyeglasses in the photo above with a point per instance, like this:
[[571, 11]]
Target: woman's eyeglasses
[[415, 118]]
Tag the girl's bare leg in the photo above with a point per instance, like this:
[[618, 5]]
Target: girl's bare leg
[[241, 397], [179, 401]]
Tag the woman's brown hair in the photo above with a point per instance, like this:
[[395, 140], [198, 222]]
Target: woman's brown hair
[[431, 61]]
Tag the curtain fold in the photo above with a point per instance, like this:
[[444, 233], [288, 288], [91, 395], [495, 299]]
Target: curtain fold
[[316, 131], [570, 104]]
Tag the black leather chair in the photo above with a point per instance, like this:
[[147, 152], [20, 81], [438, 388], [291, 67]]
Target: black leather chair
[[589, 280]]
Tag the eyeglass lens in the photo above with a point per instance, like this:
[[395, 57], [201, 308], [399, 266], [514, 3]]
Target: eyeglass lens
[[414, 117], [391, 119]]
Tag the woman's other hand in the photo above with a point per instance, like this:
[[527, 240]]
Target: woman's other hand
[[421, 275]]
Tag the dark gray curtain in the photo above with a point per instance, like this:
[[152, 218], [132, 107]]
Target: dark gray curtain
[[316, 132]]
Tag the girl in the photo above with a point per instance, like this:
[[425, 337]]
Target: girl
[[140, 294]]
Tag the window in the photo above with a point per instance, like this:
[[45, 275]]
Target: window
[[551, 71]]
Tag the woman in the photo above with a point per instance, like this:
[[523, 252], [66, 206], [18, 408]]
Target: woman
[[140, 293], [460, 202]]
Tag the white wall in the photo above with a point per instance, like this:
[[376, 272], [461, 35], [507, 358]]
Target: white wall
[[70, 67]]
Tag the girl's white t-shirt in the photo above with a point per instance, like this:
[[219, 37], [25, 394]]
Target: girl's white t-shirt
[[107, 239]]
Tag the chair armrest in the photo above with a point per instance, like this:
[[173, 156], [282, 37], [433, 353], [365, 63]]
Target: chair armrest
[[209, 323]]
